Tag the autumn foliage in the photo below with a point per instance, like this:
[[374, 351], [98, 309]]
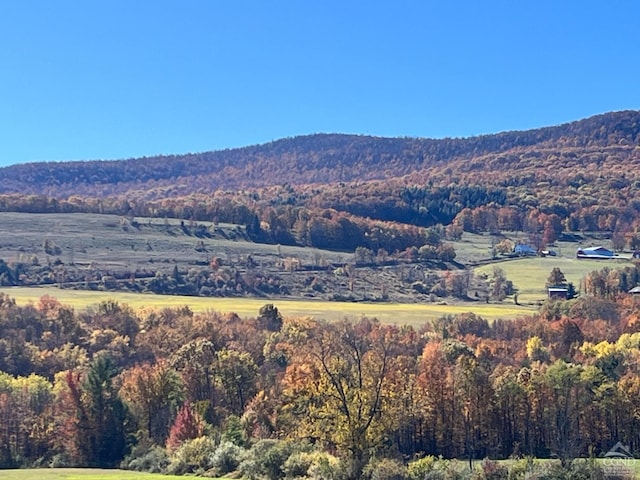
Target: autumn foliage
[[563, 382], [343, 192]]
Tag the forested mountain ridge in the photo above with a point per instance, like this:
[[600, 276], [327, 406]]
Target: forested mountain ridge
[[341, 192], [327, 158]]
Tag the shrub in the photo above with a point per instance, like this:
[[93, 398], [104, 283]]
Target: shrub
[[520, 468], [447, 470], [315, 465], [298, 464], [61, 460], [325, 467], [418, 469], [268, 457], [192, 456], [492, 470], [227, 458], [386, 469], [152, 460]]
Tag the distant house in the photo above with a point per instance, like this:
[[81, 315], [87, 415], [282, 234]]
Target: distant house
[[635, 291], [524, 250], [558, 293], [595, 252]]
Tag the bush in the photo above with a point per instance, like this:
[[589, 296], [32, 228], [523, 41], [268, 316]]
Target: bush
[[227, 458], [61, 460], [152, 460], [447, 470], [418, 469], [386, 469], [313, 466], [325, 467], [588, 470], [298, 464], [266, 459], [518, 469], [577, 470], [193, 456], [492, 470]]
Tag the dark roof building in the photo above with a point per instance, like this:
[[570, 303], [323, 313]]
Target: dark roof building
[[558, 293], [524, 250], [595, 252]]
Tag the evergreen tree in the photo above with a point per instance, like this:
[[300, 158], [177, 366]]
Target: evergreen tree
[[106, 414]]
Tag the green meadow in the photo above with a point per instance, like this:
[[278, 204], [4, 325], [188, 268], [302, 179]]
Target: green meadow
[[530, 274], [411, 313], [80, 474], [610, 467]]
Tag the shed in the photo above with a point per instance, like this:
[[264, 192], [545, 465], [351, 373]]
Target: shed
[[524, 250], [558, 293], [595, 252]]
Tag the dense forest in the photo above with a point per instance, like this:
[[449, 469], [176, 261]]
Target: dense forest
[[173, 391], [325, 158]]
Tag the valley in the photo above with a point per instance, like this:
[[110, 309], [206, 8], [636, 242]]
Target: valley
[[328, 303], [80, 258]]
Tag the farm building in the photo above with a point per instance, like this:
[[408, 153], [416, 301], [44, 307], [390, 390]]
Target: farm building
[[524, 250], [595, 252], [558, 293]]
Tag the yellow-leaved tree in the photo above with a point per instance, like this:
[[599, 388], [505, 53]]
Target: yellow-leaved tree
[[335, 386]]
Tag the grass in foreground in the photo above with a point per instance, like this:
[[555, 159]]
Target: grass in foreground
[[80, 474], [411, 314]]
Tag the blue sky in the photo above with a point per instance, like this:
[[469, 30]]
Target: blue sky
[[111, 79]]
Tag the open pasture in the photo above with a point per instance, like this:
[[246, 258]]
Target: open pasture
[[412, 314], [530, 274]]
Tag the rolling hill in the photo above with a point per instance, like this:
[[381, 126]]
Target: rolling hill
[[341, 192], [330, 158]]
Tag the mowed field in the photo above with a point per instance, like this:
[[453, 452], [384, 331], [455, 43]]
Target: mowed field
[[80, 474], [530, 274], [402, 314], [627, 468]]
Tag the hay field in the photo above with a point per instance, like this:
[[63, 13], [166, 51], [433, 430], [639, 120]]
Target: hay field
[[530, 274], [412, 314]]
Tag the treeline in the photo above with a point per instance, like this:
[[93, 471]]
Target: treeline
[[169, 390], [288, 224]]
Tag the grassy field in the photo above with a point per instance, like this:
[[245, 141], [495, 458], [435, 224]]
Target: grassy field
[[111, 243], [412, 314], [610, 467], [117, 243], [80, 474], [530, 274]]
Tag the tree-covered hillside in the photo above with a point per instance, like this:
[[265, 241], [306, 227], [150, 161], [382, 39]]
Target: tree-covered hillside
[[321, 158], [344, 191]]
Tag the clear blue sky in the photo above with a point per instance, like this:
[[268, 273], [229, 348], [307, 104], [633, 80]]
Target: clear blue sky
[[110, 79]]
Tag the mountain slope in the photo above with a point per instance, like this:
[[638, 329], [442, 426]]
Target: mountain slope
[[326, 158]]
